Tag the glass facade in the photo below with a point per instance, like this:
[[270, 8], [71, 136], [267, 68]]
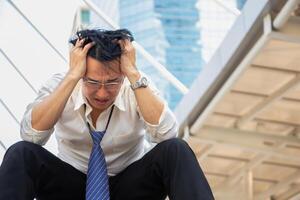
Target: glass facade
[[140, 18], [85, 16], [240, 4], [215, 21], [183, 55], [167, 30]]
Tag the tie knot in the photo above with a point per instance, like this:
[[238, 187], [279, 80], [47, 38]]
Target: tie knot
[[97, 136]]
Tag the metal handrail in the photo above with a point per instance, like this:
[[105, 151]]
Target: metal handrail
[[19, 72], [284, 14], [3, 146], [9, 111], [37, 30], [165, 73], [233, 11]]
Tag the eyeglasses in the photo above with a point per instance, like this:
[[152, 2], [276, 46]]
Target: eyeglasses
[[108, 85]]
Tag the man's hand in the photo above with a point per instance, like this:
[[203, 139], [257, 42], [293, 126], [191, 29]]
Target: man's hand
[[46, 113], [127, 60], [78, 59]]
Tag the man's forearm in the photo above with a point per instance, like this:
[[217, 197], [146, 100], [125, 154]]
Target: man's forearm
[[150, 105], [45, 114]]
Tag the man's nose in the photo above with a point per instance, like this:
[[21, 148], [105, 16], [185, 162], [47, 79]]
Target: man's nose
[[102, 92]]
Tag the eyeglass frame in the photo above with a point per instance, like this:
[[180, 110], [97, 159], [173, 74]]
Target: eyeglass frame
[[99, 84]]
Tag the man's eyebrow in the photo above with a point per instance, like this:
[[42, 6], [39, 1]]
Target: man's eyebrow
[[112, 80], [90, 79], [109, 80]]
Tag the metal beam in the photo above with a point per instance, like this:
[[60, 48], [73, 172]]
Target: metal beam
[[220, 133], [206, 152], [284, 183], [285, 13], [277, 121], [3, 146], [248, 93], [257, 160], [231, 158], [269, 100], [292, 191], [37, 30], [280, 164], [285, 37], [225, 176], [296, 197], [261, 119], [245, 140], [248, 179], [252, 148], [262, 95], [274, 69], [9, 111], [18, 71], [231, 10], [241, 172]]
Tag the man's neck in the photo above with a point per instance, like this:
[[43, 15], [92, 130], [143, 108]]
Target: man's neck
[[94, 115]]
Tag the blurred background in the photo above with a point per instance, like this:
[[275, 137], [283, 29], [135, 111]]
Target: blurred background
[[229, 69]]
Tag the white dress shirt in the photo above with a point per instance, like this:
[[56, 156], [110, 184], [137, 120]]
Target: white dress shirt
[[124, 141]]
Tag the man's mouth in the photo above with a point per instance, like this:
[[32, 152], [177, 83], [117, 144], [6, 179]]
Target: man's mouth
[[101, 101]]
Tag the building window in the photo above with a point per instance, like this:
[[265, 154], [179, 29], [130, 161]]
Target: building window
[[85, 16]]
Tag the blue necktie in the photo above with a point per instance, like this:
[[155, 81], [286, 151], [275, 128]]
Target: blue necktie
[[97, 187]]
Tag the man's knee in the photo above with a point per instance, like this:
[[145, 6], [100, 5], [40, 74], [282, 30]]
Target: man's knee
[[176, 142], [21, 148], [176, 145]]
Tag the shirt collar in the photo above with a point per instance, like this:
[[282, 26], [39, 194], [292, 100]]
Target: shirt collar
[[119, 101], [79, 100]]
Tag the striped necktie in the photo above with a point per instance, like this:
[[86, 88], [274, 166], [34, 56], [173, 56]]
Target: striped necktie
[[97, 186]]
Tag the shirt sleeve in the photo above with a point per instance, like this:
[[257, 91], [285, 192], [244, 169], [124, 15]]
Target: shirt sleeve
[[27, 132], [167, 126]]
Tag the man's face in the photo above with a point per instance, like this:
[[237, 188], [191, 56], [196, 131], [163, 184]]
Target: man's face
[[98, 95]]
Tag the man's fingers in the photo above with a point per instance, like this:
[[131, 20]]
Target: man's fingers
[[127, 42], [88, 46], [121, 43], [77, 45], [79, 42], [125, 45]]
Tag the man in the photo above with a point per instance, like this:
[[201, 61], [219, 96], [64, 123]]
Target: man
[[100, 111]]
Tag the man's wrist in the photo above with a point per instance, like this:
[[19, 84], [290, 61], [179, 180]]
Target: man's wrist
[[72, 77], [133, 76]]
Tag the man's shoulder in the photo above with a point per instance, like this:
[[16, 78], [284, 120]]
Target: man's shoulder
[[59, 76], [55, 78]]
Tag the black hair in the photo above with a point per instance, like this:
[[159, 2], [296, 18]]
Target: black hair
[[106, 47]]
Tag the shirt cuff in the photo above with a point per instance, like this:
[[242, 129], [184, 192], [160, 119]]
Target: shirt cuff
[[28, 133], [165, 129], [161, 118]]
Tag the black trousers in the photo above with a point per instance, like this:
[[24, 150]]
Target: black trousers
[[29, 171]]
